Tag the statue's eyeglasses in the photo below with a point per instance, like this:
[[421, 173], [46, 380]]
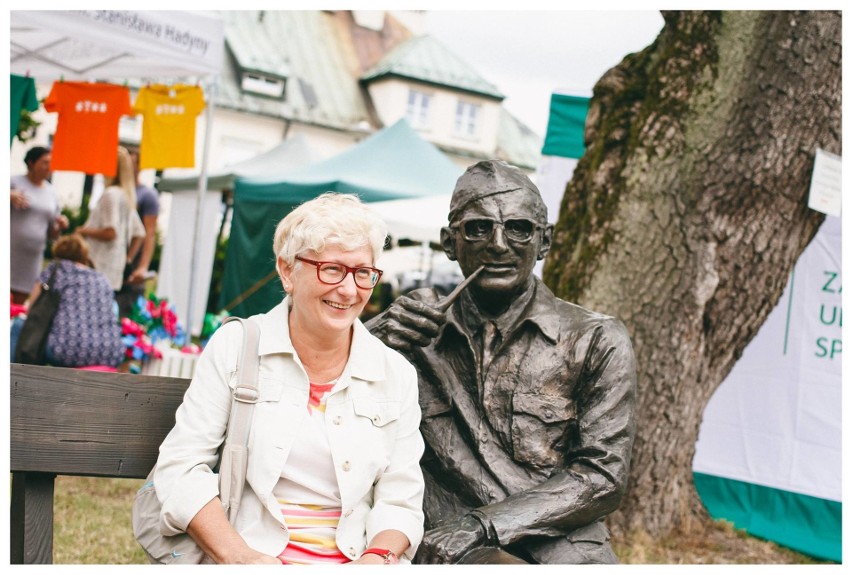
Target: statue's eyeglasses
[[519, 231], [332, 273]]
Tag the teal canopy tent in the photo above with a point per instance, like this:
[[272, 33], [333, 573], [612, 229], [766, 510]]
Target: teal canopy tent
[[292, 153], [392, 163]]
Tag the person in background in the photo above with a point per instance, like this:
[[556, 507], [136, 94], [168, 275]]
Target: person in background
[[85, 329], [148, 208], [334, 454], [34, 217], [113, 229]]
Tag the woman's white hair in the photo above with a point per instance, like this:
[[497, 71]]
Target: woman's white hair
[[335, 219]]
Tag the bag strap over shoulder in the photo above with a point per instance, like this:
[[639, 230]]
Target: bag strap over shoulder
[[46, 286], [232, 469]]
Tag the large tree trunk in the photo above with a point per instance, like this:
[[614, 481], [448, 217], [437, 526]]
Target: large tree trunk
[[688, 210]]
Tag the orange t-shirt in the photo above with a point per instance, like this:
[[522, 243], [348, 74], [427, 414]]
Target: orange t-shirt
[[86, 138], [168, 132]]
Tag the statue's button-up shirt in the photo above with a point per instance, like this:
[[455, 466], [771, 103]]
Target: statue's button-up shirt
[[539, 437]]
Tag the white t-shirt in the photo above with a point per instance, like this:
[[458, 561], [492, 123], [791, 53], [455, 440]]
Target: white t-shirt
[[308, 491], [112, 211]]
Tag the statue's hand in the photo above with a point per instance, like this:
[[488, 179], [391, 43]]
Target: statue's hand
[[409, 322], [447, 543]]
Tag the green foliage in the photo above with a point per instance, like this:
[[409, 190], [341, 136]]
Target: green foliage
[[76, 218], [27, 126]]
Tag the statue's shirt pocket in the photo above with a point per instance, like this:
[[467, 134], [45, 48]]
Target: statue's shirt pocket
[[542, 426]]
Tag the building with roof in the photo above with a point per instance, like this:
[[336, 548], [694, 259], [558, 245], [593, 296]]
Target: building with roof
[[339, 76]]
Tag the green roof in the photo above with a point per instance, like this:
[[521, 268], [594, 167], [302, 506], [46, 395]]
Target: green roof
[[315, 54], [306, 47], [425, 59]]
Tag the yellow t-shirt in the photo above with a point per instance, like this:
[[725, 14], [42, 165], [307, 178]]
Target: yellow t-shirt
[[168, 131]]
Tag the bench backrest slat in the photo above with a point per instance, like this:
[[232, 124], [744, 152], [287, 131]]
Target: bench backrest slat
[[77, 422]]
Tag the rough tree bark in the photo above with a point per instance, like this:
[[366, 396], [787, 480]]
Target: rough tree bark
[[688, 210]]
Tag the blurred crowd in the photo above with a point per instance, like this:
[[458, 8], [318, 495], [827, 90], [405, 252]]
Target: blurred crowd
[[98, 269]]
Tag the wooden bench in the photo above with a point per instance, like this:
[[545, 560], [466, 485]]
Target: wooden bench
[[74, 422]]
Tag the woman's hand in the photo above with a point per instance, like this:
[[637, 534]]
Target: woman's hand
[[368, 559], [60, 224], [18, 200], [103, 234], [249, 556], [218, 539], [391, 539]]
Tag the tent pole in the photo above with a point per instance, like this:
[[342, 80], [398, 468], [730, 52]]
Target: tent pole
[[199, 210]]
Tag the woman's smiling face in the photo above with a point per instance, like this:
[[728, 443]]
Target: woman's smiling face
[[322, 308]]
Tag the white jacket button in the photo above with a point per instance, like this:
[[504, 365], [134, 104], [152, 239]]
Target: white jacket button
[[347, 466], [376, 419], [336, 420]]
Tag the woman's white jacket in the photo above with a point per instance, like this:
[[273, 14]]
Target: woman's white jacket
[[372, 419]]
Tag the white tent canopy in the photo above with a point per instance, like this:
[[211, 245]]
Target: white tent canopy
[[418, 219], [119, 45], [109, 44]]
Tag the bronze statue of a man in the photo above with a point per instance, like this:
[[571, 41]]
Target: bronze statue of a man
[[527, 400]]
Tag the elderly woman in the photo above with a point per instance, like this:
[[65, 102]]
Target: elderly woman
[[34, 217], [333, 470]]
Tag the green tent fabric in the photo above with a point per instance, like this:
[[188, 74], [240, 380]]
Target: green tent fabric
[[392, 163], [292, 153], [566, 126]]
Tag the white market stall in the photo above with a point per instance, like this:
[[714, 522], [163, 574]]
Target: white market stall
[[419, 219], [117, 45], [768, 456]]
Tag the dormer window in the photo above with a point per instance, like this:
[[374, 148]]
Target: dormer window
[[466, 116], [417, 112], [262, 85]]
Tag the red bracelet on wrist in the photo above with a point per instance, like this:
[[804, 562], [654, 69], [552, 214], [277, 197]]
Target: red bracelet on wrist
[[386, 554]]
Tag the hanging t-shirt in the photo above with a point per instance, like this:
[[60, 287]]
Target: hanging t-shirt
[[168, 132], [22, 95], [86, 137]]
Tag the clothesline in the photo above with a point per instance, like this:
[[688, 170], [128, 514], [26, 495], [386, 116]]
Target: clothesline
[[87, 132]]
